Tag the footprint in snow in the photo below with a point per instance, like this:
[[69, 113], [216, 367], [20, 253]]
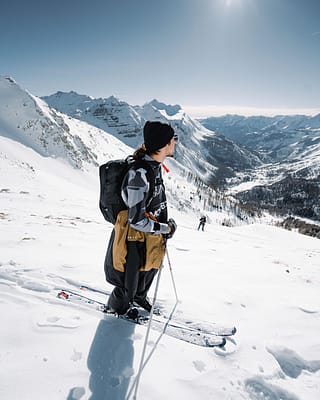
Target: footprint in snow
[[115, 381], [258, 389], [137, 336], [76, 393], [57, 322], [200, 366], [76, 356], [291, 363]]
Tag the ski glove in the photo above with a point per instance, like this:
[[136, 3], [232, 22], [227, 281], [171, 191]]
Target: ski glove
[[173, 226]]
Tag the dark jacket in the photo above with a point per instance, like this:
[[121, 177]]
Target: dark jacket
[[142, 225]]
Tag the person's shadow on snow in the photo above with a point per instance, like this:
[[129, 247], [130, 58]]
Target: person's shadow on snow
[[110, 360]]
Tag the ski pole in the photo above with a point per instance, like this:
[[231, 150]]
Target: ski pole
[[141, 366], [171, 273], [170, 316], [142, 363]]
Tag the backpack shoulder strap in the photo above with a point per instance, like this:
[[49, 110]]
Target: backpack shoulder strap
[[150, 176]]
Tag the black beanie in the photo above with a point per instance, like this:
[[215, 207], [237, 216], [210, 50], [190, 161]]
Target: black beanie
[[156, 135]]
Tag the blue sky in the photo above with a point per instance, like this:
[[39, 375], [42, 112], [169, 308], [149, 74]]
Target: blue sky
[[227, 54]]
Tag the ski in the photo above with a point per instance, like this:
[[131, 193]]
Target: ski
[[201, 326], [174, 330]]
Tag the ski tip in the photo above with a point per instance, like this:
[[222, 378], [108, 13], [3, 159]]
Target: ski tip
[[224, 342], [229, 348], [218, 341]]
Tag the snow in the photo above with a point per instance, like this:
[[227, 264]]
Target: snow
[[30, 121], [263, 279]]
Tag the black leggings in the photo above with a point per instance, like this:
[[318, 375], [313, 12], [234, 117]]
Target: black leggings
[[136, 283]]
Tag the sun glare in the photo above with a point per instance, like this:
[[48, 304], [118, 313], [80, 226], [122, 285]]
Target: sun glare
[[229, 3]]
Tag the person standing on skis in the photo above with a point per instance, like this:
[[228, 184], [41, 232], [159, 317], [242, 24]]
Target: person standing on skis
[[137, 243], [202, 222]]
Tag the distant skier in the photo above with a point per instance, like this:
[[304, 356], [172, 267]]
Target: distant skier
[[202, 222]]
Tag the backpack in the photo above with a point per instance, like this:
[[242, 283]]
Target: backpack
[[111, 176]]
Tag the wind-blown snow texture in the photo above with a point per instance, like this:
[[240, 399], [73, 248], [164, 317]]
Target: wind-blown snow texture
[[263, 279]]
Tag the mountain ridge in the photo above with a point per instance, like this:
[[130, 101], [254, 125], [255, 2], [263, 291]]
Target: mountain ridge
[[54, 135], [279, 138], [198, 149], [209, 155]]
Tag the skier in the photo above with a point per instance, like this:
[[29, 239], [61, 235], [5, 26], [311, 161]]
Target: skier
[[137, 243], [202, 222]]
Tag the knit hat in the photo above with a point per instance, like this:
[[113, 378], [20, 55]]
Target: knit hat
[[156, 135]]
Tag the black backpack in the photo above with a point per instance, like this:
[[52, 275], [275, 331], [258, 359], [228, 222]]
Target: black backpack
[[111, 177]]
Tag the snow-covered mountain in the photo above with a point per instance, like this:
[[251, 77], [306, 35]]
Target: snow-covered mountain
[[200, 152], [289, 182], [278, 139], [210, 156], [29, 121], [111, 114]]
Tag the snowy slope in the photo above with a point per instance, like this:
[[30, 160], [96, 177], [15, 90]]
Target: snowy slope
[[28, 120], [261, 278], [211, 156], [281, 138], [110, 114], [289, 181], [291, 143]]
